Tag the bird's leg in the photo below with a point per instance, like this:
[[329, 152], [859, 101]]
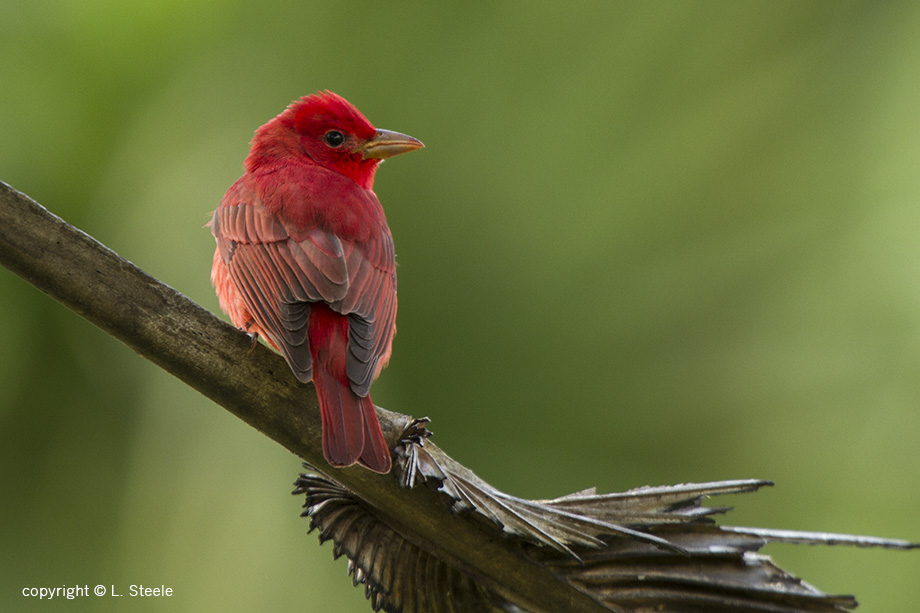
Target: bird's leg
[[253, 335]]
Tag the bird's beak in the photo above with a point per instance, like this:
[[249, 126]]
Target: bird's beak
[[386, 144]]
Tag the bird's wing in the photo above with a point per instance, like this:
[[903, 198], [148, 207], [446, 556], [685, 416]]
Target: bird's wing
[[279, 270], [370, 303], [277, 276]]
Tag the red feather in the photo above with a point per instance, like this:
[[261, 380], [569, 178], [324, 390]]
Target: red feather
[[305, 259]]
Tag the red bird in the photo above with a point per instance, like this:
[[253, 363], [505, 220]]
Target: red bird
[[305, 260]]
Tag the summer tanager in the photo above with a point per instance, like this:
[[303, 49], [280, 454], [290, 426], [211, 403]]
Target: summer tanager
[[305, 260]]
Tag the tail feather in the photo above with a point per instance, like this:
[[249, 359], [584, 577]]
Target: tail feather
[[343, 419], [351, 431], [376, 453]]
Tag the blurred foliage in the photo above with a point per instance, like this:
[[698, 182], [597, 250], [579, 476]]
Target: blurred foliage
[[647, 243]]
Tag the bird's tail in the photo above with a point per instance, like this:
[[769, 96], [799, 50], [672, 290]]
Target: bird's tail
[[351, 431]]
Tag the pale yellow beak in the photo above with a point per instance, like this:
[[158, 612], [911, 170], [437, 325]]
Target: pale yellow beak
[[385, 144]]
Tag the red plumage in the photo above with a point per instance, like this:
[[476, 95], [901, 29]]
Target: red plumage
[[305, 259]]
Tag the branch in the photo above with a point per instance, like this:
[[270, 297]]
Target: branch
[[651, 547]]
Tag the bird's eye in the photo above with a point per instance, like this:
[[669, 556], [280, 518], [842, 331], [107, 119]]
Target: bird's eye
[[334, 138]]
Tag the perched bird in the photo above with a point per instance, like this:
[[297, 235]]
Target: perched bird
[[305, 260]]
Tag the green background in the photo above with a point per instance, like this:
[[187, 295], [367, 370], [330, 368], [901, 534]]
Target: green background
[[647, 243]]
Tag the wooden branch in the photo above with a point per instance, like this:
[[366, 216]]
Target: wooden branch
[[256, 385]]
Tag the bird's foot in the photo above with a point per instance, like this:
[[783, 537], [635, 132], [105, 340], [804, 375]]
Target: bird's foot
[[253, 335]]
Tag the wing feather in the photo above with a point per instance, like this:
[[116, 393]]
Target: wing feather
[[279, 270]]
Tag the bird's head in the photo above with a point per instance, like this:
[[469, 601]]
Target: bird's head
[[331, 132]]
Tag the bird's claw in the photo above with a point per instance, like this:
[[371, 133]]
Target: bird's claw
[[253, 335]]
